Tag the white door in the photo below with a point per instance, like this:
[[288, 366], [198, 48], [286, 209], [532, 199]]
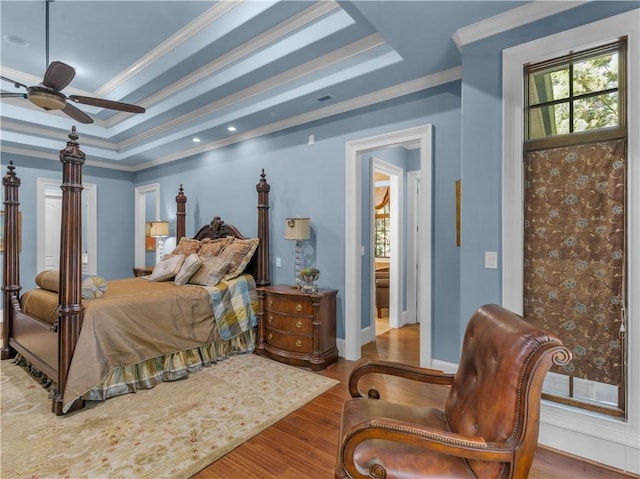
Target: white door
[[53, 213]]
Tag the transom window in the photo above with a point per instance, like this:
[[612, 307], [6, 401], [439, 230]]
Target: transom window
[[575, 93]]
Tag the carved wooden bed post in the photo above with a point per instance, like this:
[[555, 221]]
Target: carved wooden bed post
[[70, 309], [262, 268], [181, 201], [11, 277]]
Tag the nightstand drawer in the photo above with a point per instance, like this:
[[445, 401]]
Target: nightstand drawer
[[288, 305], [289, 342], [298, 328], [294, 324]]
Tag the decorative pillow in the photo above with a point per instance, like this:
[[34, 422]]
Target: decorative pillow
[[187, 246], [49, 279], [190, 265], [166, 269], [211, 272], [209, 247], [93, 287], [240, 253]]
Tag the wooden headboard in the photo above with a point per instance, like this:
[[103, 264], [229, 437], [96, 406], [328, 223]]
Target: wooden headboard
[[259, 265]]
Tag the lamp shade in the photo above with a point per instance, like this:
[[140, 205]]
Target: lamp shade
[[297, 229], [159, 228]]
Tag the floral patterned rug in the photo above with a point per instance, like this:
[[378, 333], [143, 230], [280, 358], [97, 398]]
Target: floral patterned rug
[[171, 431]]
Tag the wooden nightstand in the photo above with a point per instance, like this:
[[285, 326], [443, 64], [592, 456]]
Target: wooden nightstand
[[298, 328], [142, 271]]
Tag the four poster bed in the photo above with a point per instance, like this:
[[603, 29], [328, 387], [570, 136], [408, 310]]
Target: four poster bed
[[132, 333]]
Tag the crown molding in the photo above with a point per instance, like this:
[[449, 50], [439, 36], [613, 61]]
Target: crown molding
[[349, 51], [413, 86], [302, 19], [204, 20], [44, 155], [510, 19]]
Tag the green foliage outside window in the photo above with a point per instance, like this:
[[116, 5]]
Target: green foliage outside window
[[383, 231], [574, 94]]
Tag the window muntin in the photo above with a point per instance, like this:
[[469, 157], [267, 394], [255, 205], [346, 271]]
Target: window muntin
[[383, 232], [575, 93]]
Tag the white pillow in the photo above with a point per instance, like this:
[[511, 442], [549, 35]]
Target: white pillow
[[167, 268], [190, 265]]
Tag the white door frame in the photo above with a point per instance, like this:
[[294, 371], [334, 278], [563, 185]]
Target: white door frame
[[413, 214], [422, 136], [396, 290], [91, 192], [140, 218]]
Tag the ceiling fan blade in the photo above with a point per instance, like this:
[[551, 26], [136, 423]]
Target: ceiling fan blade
[[15, 83], [111, 105], [13, 95], [76, 114], [58, 75]]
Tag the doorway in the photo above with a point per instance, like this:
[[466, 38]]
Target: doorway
[[420, 137], [391, 258], [49, 220], [142, 193]]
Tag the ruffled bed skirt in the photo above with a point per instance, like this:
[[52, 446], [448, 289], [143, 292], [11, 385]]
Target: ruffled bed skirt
[[170, 367]]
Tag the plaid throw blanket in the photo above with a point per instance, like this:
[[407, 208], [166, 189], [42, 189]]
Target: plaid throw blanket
[[234, 304]]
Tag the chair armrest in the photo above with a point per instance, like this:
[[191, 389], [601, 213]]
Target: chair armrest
[[443, 442], [424, 375]]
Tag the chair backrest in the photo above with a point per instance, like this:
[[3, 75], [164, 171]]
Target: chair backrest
[[497, 388]]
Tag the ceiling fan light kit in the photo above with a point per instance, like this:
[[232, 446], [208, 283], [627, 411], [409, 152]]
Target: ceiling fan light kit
[[45, 98], [58, 75]]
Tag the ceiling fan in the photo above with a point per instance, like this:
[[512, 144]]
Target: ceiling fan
[[47, 95]]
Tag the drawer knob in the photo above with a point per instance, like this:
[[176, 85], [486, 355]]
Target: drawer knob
[[298, 324], [298, 307], [270, 319], [270, 336], [298, 342], [270, 303]]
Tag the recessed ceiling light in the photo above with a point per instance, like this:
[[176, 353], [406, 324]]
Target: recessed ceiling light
[[231, 128], [15, 40], [196, 140]]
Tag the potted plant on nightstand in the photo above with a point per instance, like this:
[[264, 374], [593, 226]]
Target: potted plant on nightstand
[[308, 276]]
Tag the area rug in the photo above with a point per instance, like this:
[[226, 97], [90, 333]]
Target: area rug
[[171, 431]]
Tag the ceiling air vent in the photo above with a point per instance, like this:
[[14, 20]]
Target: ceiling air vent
[[313, 102]]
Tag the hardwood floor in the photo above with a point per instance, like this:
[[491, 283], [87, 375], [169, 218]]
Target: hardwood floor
[[304, 444]]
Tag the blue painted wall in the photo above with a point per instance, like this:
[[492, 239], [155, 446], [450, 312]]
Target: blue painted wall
[[309, 181], [115, 214], [482, 148]]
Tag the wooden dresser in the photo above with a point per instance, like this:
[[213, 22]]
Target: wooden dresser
[[298, 328]]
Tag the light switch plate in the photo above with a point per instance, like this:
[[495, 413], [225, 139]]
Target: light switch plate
[[491, 260]]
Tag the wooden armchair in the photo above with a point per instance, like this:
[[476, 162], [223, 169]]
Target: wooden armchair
[[488, 427]]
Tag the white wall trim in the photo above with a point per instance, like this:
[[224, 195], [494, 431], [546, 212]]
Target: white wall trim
[[413, 212], [90, 193], [609, 441], [396, 290], [509, 20], [353, 240], [140, 218]]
